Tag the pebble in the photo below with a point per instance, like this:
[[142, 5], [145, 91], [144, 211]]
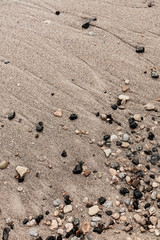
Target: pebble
[[116, 216], [157, 232], [33, 232], [39, 127], [56, 203], [113, 138], [31, 223], [93, 210], [86, 227], [124, 191], [107, 152], [6, 61], [113, 172], [154, 74], [122, 175], [140, 49], [137, 194], [126, 137], [74, 238], [139, 219], [149, 107], [58, 113], [96, 219], [152, 210], [158, 143], [20, 189], [4, 164], [69, 227], [153, 220], [73, 116], [75, 221], [127, 201], [108, 204], [78, 169], [11, 115], [22, 170], [137, 117], [102, 200], [67, 208]]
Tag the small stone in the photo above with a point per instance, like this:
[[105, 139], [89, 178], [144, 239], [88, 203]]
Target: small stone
[[127, 201], [123, 98], [116, 216], [78, 169], [11, 115], [122, 175], [56, 203], [157, 232], [86, 227], [113, 138], [109, 212], [152, 210], [64, 153], [137, 117], [73, 116], [139, 219], [6, 61], [154, 74], [74, 238], [93, 210], [155, 185], [4, 164], [149, 107], [33, 232], [87, 173], [31, 223], [39, 127], [54, 225], [125, 145], [20, 189], [67, 208], [124, 191], [102, 200], [96, 219], [153, 220], [150, 136], [58, 113], [57, 12], [125, 88], [113, 172], [75, 221], [107, 152], [69, 227], [137, 194], [128, 228], [140, 49], [22, 170], [126, 137]]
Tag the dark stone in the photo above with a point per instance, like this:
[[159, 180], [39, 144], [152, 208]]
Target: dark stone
[[150, 136], [135, 204], [47, 212], [37, 174], [137, 194], [6, 231], [154, 149], [57, 12], [133, 125], [149, 188], [119, 102], [140, 173], [154, 74], [147, 205], [124, 191], [86, 25], [52, 94], [68, 234], [102, 200], [131, 120], [64, 154], [51, 238], [20, 179], [39, 127], [25, 221], [37, 135], [158, 204], [152, 176], [78, 168], [140, 49], [61, 215], [150, 4], [135, 161], [148, 152], [115, 165], [6, 61], [39, 218], [114, 107], [106, 137], [39, 238], [11, 115], [147, 182], [155, 158], [97, 114], [108, 144], [67, 200], [109, 212], [59, 237], [99, 228], [73, 116], [118, 143], [148, 167]]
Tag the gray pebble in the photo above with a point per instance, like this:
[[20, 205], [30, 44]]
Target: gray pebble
[[122, 175], [33, 232], [126, 137], [108, 204], [56, 203], [75, 221], [158, 143], [93, 224], [74, 238], [154, 195], [127, 201], [96, 219]]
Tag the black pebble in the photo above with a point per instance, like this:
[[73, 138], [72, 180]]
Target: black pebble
[[118, 143], [52, 94], [152, 176], [47, 212], [39, 238], [109, 212], [25, 221], [6, 231], [11, 115], [155, 158], [148, 152], [39, 218], [106, 137], [73, 116], [135, 204], [57, 12], [133, 125], [124, 191], [51, 238], [78, 169], [114, 107], [135, 161], [140, 49], [37, 174], [39, 127], [119, 102], [97, 114], [20, 179], [68, 234], [150, 136], [147, 205], [59, 237], [137, 194], [148, 167], [98, 229], [102, 200], [150, 4], [67, 200], [64, 154], [86, 25], [154, 149]]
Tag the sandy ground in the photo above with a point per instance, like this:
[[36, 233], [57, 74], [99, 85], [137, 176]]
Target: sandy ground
[[53, 54]]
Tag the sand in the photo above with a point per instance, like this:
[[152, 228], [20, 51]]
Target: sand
[[85, 69]]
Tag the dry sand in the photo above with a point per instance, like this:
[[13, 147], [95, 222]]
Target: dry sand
[[53, 54]]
